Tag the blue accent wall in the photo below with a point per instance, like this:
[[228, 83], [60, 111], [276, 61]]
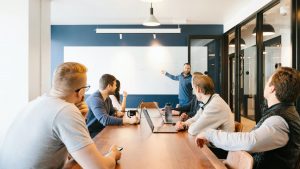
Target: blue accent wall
[[85, 35]]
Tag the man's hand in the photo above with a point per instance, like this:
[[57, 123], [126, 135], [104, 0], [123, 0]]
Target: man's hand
[[83, 108], [120, 114], [115, 152], [180, 126], [133, 120], [175, 112], [163, 72], [183, 117], [201, 140]]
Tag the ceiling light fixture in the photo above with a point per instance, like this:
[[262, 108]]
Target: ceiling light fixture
[[151, 21], [232, 42], [139, 30], [267, 30]]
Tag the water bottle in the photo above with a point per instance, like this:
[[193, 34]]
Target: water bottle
[[168, 112]]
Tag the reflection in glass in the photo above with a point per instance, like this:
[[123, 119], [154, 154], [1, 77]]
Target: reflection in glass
[[248, 70], [277, 47]]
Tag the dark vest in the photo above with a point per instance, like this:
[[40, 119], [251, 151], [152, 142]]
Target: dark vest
[[287, 156]]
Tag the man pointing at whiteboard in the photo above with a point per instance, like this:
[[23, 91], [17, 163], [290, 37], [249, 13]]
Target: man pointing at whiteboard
[[185, 87]]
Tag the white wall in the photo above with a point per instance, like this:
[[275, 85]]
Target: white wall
[[245, 13], [20, 53]]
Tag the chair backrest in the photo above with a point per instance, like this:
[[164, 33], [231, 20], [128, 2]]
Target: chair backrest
[[238, 127], [239, 160], [149, 105]]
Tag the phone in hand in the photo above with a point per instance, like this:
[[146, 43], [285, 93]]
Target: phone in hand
[[120, 148]]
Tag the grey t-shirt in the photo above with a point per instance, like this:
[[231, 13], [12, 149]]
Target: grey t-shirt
[[42, 134]]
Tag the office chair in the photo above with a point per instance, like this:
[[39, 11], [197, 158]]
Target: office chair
[[238, 127]]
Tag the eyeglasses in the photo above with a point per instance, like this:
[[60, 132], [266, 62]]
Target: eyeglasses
[[84, 87]]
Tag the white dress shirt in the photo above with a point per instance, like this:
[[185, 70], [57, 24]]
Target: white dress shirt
[[272, 134], [215, 115]]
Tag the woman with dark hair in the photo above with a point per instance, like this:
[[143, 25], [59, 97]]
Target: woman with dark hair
[[116, 101]]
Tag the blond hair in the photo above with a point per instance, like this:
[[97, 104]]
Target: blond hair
[[205, 83], [69, 77], [197, 73]]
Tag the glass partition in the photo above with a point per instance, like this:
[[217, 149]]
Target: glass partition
[[277, 38], [248, 69]]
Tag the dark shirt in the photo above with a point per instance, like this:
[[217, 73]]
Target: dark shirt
[[101, 113], [191, 108], [185, 87]]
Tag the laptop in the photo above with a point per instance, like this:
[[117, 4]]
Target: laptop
[[167, 120], [160, 129]]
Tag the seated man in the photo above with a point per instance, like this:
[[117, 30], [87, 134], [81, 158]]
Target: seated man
[[101, 111], [275, 140], [214, 113], [189, 110], [52, 125]]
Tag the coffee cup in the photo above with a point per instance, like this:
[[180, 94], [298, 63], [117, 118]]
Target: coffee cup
[[131, 113]]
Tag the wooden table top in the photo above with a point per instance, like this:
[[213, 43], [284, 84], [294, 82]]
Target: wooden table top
[[146, 150]]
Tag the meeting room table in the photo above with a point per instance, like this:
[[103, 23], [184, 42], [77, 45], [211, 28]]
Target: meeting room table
[[143, 149]]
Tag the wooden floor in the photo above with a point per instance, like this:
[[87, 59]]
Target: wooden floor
[[247, 124]]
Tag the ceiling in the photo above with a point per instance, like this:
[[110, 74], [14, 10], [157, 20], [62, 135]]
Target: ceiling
[[118, 12]]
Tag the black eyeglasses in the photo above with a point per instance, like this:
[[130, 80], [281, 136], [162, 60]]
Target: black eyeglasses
[[84, 87]]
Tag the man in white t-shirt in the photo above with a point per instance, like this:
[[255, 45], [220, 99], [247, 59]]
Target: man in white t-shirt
[[53, 125]]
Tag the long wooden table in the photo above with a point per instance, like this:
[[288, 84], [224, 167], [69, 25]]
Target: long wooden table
[[146, 150]]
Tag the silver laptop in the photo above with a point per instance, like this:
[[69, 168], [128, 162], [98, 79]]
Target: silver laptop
[[160, 129]]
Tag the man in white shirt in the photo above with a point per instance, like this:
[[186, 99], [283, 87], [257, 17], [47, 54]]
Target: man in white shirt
[[53, 125], [213, 113], [275, 140]]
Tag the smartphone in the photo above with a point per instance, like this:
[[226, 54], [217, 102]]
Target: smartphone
[[120, 148]]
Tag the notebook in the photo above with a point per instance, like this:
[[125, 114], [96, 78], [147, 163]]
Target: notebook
[[160, 129]]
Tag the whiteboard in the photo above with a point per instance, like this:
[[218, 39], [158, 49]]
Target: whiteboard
[[137, 67]]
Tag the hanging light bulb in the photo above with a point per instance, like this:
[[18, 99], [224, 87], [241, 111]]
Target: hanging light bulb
[[151, 21], [232, 42], [267, 30]]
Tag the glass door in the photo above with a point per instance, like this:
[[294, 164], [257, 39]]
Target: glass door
[[204, 56]]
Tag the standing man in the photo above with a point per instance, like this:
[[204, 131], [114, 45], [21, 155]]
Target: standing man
[[101, 111], [185, 87], [52, 125], [275, 140], [190, 109]]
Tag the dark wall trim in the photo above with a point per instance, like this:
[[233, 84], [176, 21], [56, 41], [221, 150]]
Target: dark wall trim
[[85, 35], [224, 70], [295, 34], [237, 88], [259, 100]]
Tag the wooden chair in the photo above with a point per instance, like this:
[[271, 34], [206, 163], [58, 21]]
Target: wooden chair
[[149, 105], [238, 127], [239, 160]]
